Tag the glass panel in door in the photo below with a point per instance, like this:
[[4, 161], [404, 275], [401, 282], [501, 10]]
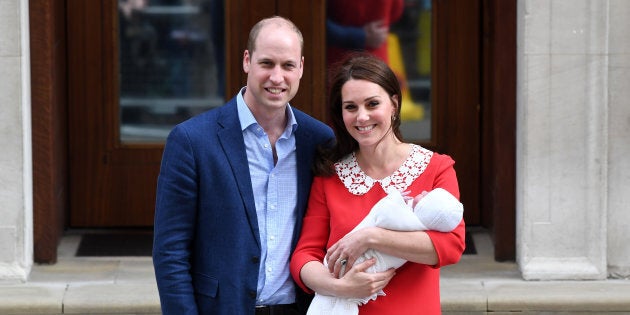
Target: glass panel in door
[[406, 46], [171, 64]]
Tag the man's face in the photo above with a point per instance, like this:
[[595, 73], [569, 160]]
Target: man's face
[[274, 68]]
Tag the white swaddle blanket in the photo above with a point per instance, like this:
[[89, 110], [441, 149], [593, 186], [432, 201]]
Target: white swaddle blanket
[[437, 211]]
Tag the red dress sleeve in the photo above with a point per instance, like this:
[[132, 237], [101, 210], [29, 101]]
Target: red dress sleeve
[[449, 246], [315, 231]]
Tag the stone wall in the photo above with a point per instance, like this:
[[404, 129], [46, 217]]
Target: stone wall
[[619, 140], [573, 122], [16, 205]]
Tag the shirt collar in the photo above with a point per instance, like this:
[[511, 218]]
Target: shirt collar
[[247, 119]]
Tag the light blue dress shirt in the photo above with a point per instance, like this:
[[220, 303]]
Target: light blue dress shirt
[[275, 194]]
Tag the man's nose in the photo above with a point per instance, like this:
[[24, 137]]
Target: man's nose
[[276, 75]]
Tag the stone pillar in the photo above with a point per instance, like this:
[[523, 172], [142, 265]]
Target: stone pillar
[[16, 205], [562, 138], [619, 141]]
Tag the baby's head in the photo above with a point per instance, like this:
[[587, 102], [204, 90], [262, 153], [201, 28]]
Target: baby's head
[[438, 210]]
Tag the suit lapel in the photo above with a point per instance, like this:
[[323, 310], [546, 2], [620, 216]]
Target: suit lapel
[[303, 167], [233, 145], [304, 157]]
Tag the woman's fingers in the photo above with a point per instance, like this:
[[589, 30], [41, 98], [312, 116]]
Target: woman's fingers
[[339, 267], [365, 283], [333, 262], [345, 266]]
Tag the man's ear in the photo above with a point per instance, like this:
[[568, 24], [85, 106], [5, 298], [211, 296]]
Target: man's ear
[[246, 61], [301, 67]]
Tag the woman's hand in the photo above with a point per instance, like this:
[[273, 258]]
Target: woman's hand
[[345, 252], [357, 283]]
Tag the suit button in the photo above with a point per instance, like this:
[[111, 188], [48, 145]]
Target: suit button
[[255, 259], [252, 294]]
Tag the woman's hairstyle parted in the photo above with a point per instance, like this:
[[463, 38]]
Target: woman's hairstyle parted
[[356, 66]]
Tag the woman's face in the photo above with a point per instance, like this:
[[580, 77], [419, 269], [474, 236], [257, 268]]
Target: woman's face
[[367, 111]]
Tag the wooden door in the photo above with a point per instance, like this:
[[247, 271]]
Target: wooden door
[[457, 90], [112, 182], [439, 68]]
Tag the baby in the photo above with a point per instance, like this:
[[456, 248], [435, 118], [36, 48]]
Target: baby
[[436, 210]]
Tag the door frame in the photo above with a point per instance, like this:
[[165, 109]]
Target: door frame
[[498, 124], [49, 126], [50, 130]]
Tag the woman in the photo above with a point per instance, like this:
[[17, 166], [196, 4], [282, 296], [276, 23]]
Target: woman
[[368, 159]]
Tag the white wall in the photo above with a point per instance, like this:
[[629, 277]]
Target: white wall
[[573, 117], [16, 206]]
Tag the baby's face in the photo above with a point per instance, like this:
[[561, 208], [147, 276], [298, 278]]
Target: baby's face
[[417, 198]]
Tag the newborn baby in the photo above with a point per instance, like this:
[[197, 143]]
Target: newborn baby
[[436, 210]]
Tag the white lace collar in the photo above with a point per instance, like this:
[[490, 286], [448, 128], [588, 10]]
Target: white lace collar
[[359, 183]]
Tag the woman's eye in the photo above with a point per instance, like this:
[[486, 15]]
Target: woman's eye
[[373, 103]]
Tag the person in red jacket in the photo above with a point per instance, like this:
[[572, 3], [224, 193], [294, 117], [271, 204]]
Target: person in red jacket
[[360, 25], [369, 159], [364, 26]]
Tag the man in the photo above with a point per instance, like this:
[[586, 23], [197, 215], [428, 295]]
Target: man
[[233, 188]]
